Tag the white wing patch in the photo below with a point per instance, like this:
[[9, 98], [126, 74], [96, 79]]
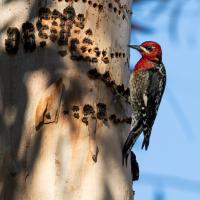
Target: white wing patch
[[134, 121], [145, 99]]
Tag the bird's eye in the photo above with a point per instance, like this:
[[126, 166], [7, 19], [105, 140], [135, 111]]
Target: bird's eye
[[149, 48]]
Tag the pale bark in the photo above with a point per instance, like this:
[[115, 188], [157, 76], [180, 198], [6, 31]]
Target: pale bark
[[45, 152]]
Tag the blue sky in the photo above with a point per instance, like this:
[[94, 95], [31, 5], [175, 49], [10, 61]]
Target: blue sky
[[170, 169]]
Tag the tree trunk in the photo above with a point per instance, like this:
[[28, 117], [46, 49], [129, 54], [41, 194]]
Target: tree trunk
[[61, 129]]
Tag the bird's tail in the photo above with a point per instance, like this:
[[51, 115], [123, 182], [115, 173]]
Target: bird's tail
[[146, 139], [130, 141]]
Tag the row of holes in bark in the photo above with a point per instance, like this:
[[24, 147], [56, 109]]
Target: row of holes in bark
[[104, 52], [75, 49], [101, 7], [101, 114], [118, 90]]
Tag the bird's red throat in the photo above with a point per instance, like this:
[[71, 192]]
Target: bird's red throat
[[144, 63]]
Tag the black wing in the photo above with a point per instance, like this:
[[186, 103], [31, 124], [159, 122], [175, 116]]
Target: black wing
[[153, 92]]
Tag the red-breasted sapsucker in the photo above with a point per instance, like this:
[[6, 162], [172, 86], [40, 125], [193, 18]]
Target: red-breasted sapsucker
[[147, 84]]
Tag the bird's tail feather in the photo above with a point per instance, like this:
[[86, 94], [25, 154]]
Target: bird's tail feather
[[146, 140], [130, 141]]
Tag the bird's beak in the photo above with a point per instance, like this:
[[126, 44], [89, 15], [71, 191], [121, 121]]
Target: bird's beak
[[137, 47]]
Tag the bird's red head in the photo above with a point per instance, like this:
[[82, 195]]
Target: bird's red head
[[149, 50]]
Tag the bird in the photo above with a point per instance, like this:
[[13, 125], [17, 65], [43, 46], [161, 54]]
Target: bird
[[147, 84]]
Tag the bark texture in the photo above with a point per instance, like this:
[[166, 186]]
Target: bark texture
[[61, 132]]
